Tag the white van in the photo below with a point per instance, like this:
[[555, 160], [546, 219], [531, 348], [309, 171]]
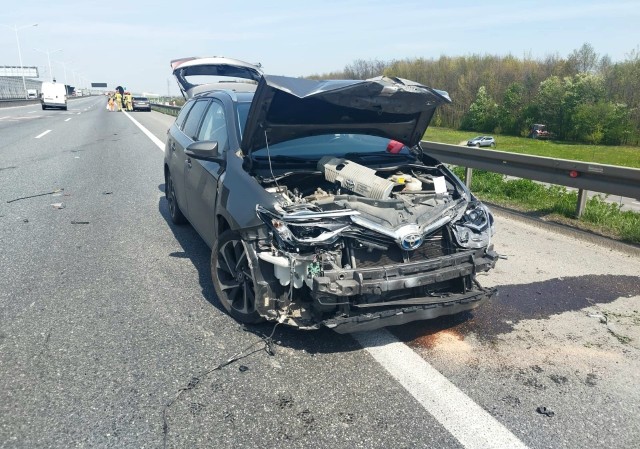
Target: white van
[[54, 95]]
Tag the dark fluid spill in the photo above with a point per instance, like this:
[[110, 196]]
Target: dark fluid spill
[[537, 300]]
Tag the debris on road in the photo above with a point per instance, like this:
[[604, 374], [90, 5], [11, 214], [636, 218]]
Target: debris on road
[[58, 205], [545, 411], [79, 222], [195, 380], [36, 195]]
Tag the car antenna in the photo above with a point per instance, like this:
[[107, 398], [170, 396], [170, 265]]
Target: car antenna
[[266, 141]]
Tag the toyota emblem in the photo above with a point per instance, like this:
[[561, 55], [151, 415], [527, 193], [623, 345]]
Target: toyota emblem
[[411, 241]]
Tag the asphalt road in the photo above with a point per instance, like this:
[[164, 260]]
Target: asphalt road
[[107, 314]]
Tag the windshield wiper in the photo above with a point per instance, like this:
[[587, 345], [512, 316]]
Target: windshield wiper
[[282, 159], [379, 155]]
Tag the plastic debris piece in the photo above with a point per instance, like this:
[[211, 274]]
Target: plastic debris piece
[[243, 368], [58, 205], [34, 196], [26, 220], [106, 192], [545, 411]]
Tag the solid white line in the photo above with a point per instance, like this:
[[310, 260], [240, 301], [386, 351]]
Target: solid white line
[[68, 119], [159, 143], [44, 133], [469, 423]]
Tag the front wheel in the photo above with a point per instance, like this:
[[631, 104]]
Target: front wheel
[[477, 145], [233, 279], [177, 217]]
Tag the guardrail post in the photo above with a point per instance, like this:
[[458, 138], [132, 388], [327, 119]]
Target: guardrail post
[[468, 174], [582, 202]]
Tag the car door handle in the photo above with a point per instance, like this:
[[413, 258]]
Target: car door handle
[[173, 147], [188, 162]]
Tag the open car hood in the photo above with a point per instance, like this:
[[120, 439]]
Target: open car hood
[[286, 108], [227, 71]]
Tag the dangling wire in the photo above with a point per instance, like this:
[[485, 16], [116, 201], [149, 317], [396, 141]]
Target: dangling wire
[[266, 141]]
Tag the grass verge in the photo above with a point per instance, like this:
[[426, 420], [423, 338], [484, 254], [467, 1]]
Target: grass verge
[[626, 156], [555, 203]]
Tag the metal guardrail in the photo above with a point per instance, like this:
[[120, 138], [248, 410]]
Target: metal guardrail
[[166, 109], [583, 176]]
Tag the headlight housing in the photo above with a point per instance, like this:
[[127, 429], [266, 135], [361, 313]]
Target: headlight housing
[[475, 227], [298, 230]]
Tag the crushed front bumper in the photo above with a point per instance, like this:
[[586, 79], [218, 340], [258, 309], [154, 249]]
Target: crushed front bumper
[[336, 285], [375, 320]]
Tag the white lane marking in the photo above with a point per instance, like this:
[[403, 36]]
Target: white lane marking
[[79, 113], [44, 133], [32, 112], [159, 143], [66, 120], [469, 423]]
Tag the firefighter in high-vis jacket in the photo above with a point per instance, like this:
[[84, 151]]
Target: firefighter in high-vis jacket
[[128, 101]]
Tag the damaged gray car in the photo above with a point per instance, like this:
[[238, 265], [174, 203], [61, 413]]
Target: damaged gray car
[[319, 205]]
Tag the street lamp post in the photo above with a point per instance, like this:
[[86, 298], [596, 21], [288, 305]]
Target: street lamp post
[[16, 28], [48, 53], [64, 66]]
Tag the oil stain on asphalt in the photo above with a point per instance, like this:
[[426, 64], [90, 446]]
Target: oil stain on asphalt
[[537, 300]]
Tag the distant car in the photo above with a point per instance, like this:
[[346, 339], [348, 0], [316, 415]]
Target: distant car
[[318, 203], [482, 141], [141, 104]]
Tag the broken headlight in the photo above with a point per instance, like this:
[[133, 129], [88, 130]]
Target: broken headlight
[[475, 228], [303, 229]]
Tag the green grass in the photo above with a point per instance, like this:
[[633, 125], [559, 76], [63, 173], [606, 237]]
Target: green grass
[[602, 154], [555, 203]]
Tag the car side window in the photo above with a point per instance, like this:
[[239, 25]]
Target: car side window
[[194, 118], [183, 114], [214, 126]]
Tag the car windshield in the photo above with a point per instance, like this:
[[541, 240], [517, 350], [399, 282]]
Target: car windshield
[[141, 98], [315, 147]]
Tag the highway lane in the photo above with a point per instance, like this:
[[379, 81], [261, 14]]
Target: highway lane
[[103, 321]]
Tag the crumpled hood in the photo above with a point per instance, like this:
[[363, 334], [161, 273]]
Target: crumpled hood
[[286, 108]]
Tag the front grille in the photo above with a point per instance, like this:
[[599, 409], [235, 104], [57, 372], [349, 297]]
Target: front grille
[[435, 245]]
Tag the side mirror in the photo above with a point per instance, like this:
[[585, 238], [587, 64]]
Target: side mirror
[[205, 150]]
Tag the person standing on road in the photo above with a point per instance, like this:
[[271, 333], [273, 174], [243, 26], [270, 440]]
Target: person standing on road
[[119, 101], [128, 101]]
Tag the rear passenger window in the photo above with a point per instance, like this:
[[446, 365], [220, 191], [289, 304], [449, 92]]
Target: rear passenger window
[[214, 126], [193, 119], [183, 114]]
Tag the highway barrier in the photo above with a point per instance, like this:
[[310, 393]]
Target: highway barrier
[[584, 176]]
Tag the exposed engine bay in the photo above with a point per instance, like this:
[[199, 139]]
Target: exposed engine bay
[[350, 241]]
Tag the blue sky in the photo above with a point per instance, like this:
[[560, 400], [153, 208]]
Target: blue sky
[[131, 42]]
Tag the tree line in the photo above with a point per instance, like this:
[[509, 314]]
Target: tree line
[[583, 97]]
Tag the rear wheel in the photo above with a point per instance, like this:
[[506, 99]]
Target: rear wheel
[[233, 279], [174, 210]]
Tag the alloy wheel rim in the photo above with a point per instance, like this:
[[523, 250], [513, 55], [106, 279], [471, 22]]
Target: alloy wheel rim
[[235, 277]]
